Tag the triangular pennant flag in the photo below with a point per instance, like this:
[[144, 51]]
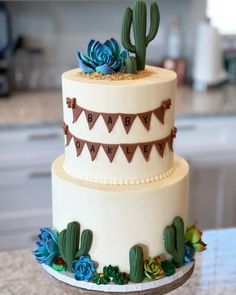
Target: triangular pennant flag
[[160, 112], [145, 118], [110, 150], [67, 133], [79, 145], [110, 120], [146, 149], [93, 148], [129, 150], [76, 113], [91, 118], [160, 145], [127, 120]]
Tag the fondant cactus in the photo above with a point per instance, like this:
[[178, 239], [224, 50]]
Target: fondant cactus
[[174, 240], [86, 243], [136, 261], [69, 243], [130, 65], [139, 18]]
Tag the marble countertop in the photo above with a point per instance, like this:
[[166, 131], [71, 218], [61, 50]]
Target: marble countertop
[[215, 271], [45, 107]]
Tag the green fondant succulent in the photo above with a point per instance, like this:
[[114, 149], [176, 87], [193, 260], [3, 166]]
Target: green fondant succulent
[[168, 267], [174, 240], [100, 279], [194, 237], [138, 16], [59, 264], [69, 243], [110, 271], [136, 260], [121, 278], [153, 269], [130, 65]]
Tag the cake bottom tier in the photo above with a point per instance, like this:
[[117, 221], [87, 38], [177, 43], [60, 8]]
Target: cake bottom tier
[[120, 216]]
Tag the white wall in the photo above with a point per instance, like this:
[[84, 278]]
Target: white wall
[[64, 27]]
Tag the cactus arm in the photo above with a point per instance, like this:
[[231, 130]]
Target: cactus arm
[[169, 235], [136, 260], [85, 244], [125, 33], [154, 22], [62, 243]]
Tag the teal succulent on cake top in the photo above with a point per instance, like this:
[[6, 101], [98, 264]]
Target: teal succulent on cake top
[[106, 58]]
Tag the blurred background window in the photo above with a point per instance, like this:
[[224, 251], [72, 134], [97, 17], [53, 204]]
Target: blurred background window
[[222, 15]]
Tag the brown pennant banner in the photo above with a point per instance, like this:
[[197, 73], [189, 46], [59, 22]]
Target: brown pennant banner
[[93, 148], [127, 120], [110, 150], [128, 149], [110, 119], [145, 118], [146, 149], [79, 145], [91, 118]]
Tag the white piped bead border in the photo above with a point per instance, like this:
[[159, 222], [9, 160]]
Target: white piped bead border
[[128, 181]]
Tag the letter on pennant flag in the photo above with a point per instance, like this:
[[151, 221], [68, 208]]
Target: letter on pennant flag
[[129, 150], [110, 150], [110, 120]]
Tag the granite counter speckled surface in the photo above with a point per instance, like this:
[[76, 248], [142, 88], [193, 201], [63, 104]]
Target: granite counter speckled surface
[[215, 272], [42, 107]]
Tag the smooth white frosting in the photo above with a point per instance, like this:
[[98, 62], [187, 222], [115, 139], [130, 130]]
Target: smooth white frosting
[[125, 96], [120, 216]]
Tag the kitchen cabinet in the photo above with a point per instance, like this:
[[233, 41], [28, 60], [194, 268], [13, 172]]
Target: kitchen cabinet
[[26, 155], [210, 148]]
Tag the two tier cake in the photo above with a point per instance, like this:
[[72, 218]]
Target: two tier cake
[[120, 194]]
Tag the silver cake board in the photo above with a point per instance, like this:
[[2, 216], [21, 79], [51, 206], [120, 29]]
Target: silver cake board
[[161, 286]]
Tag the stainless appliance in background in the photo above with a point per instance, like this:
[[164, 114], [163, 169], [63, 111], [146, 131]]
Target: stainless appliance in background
[[5, 43]]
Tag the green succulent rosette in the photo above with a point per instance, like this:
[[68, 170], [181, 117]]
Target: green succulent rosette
[[100, 279], [121, 278], [110, 271], [194, 237], [153, 269], [168, 267]]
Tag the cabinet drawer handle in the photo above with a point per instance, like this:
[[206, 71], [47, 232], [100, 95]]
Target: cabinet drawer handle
[[45, 136], [40, 174]]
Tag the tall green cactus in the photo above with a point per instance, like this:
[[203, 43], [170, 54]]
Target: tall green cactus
[[139, 18], [69, 243], [174, 240], [136, 261]]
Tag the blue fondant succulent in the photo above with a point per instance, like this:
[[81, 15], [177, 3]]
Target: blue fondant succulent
[[103, 58], [83, 268], [189, 252], [47, 246]]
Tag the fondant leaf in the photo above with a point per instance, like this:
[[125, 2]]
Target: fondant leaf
[[86, 68], [124, 54], [105, 69]]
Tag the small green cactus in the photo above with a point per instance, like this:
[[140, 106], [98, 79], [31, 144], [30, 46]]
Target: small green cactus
[[130, 65], [69, 243], [136, 261], [174, 241], [139, 18]]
